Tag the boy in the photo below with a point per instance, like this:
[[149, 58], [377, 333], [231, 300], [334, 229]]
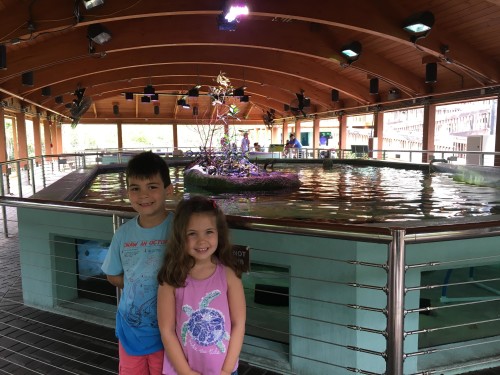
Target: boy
[[132, 263]]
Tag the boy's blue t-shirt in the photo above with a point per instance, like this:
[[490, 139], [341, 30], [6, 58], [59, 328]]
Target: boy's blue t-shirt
[[137, 253]]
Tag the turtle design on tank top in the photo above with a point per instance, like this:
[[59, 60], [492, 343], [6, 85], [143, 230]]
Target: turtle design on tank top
[[205, 325]]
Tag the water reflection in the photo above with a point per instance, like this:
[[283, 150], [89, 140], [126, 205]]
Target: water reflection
[[345, 193]]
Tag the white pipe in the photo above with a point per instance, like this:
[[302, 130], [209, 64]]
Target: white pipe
[[33, 103]]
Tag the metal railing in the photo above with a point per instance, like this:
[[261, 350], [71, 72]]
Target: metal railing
[[393, 266]]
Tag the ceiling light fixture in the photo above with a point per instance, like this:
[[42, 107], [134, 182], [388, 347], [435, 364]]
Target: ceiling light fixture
[[149, 90], [240, 91], [98, 33], [183, 103], [129, 96], [419, 25], [352, 51], [145, 99], [194, 92], [431, 72], [229, 18], [89, 4]]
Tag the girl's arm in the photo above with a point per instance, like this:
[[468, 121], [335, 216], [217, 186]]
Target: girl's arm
[[166, 323], [238, 313]]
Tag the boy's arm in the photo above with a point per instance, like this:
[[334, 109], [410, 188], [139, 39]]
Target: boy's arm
[[116, 280], [166, 323], [237, 311]]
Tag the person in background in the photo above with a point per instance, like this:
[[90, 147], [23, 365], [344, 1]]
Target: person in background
[[132, 263], [257, 147], [294, 142], [245, 143], [201, 302]]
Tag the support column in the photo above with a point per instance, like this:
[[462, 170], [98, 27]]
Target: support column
[[285, 132], [3, 139], [428, 132], [342, 135], [497, 133], [297, 129], [175, 136], [36, 135], [53, 134], [316, 124], [274, 135], [119, 135], [47, 137], [378, 133], [21, 136], [59, 138]]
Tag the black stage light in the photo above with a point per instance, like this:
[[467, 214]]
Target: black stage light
[[431, 72], [374, 86], [98, 33], [27, 79]]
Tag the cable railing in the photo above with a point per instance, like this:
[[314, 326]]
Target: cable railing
[[342, 298]]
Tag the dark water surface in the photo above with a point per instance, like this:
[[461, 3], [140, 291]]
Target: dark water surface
[[344, 194]]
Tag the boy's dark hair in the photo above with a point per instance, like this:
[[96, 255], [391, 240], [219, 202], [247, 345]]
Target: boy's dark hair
[[146, 165]]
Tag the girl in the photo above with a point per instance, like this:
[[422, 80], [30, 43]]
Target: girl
[[201, 303]]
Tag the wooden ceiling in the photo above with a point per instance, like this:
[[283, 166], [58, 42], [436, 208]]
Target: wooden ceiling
[[281, 48]]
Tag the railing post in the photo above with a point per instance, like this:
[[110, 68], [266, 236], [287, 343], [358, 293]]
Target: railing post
[[43, 172], [32, 168], [4, 210], [395, 303], [117, 221], [19, 181]]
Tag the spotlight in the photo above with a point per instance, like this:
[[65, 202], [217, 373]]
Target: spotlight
[[352, 51], [234, 12], [145, 99], [59, 99], [89, 4], [228, 19], [419, 25], [156, 109], [129, 96], [183, 103], [155, 98], [98, 33], [149, 90]]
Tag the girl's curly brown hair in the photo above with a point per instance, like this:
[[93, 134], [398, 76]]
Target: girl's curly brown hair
[[177, 262]]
